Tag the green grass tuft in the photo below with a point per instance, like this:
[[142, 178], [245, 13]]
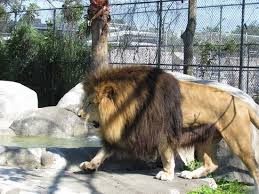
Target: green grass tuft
[[193, 165], [224, 187]]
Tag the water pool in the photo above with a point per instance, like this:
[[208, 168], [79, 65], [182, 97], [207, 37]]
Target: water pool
[[44, 142]]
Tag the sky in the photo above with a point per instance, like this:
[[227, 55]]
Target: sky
[[205, 17], [45, 4]]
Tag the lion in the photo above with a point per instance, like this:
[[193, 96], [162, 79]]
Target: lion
[[144, 111]]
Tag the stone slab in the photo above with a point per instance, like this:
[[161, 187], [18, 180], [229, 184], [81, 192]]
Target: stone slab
[[72, 180]]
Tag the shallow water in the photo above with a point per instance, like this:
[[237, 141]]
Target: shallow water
[[43, 142]]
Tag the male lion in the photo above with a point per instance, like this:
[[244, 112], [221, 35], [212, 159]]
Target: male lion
[[142, 111]]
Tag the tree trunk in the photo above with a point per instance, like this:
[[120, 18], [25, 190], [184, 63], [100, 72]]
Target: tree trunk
[[99, 17], [188, 36]]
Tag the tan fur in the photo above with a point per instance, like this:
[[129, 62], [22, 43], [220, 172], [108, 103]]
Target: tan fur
[[200, 105]]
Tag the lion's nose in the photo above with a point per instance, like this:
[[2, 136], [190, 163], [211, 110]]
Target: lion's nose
[[96, 124]]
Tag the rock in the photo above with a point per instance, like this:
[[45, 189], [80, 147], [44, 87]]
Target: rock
[[13, 191], [15, 99], [31, 158], [73, 99], [53, 159], [51, 122], [231, 167], [115, 176], [21, 157], [74, 182], [8, 131]]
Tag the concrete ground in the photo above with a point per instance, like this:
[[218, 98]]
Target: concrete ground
[[115, 176], [70, 181]]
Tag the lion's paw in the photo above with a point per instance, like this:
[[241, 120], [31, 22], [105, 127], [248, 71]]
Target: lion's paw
[[87, 166], [164, 176], [186, 174]]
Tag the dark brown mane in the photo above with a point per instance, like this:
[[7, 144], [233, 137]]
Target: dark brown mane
[[159, 113]]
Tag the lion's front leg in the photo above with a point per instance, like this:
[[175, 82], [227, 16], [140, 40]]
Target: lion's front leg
[[102, 154], [167, 157]]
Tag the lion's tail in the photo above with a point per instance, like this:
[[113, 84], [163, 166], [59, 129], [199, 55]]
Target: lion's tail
[[254, 118]]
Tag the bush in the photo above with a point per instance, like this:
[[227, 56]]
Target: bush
[[50, 63], [3, 61], [22, 51]]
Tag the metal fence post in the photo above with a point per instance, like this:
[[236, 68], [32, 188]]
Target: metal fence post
[[54, 19], [52, 67], [15, 17], [159, 12], [248, 71], [240, 84], [220, 40]]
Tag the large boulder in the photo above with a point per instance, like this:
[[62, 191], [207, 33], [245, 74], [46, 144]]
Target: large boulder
[[31, 158], [51, 122], [230, 166], [73, 99], [15, 99]]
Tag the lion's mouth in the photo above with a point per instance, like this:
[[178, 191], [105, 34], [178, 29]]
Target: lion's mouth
[[96, 124]]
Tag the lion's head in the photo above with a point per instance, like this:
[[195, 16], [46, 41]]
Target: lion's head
[[89, 111], [103, 108]]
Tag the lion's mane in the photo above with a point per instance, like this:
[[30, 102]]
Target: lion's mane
[[158, 116]]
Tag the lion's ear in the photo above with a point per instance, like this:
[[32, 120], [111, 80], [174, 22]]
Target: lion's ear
[[109, 92]]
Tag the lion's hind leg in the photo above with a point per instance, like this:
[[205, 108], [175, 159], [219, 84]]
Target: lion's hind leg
[[209, 163], [241, 145], [167, 156]]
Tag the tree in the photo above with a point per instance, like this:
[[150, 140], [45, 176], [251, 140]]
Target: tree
[[188, 36], [31, 14], [2, 12], [72, 11], [3, 18], [14, 5], [99, 18]]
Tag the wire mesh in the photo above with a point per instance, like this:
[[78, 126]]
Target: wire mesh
[[135, 37]]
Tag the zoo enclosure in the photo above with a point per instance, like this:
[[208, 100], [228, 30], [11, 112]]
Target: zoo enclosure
[[148, 33]]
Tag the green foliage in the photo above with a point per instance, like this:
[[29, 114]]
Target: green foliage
[[3, 60], [224, 187], [252, 29], [207, 52], [256, 98], [193, 165], [210, 51], [50, 63], [30, 14], [73, 11], [211, 29], [230, 47], [2, 12], [22, 50], [84, 30]]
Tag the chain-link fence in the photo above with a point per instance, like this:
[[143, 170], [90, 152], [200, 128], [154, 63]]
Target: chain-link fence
[[149, 33]]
